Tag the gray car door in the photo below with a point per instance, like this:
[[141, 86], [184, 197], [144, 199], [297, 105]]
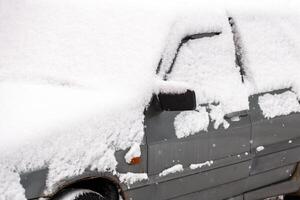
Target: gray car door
[[222, 150], [273, 131]]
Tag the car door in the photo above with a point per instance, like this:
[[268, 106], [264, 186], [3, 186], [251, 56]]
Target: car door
[[275, 131], [216, 144]]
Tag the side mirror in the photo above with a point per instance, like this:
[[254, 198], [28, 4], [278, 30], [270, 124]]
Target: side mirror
[[177, 101]]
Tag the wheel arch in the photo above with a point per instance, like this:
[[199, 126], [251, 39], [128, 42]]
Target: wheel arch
[[97, 182]]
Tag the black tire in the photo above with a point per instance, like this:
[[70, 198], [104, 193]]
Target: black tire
[[291, 197], [79, 194]]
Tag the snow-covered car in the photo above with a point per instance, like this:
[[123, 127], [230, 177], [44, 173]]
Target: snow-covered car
[[108, 100]]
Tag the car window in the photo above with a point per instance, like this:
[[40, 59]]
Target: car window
[[208, 65]]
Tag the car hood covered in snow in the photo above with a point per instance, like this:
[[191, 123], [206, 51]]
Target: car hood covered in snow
[[75, 78]]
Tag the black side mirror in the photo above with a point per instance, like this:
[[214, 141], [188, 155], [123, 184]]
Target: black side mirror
[[177, 102]]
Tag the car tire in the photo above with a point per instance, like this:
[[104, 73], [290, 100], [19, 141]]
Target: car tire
[[291, 197], [79, 194]]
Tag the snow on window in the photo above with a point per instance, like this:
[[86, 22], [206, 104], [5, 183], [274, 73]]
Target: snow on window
[[211, 19], [270, 45], [131, 178], [190, 122], [172, 170], [278, 104], [208, 65], [200, 165]]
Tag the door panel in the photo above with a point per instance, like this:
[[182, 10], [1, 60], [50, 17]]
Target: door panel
[[207, 64], [275, 130], [202, 181], [165, 149]]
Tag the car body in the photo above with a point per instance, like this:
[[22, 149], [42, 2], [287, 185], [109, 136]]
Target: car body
[[254, 158]]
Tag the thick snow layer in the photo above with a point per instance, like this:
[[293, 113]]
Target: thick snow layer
[[190, 122], [75, 77], [208, 65], [55, 125], [172, 170], [10, 188], [278, 104], [270, 45], [200, 165], [130, 178], [134, 151], [172, 87]]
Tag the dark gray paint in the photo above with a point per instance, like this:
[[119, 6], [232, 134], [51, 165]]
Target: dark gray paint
[[269, 177], [221, 163], [231, 189], [191, 183], [218, 193], [289, 186], [275, 160], [34, 182], [166, 150], [271, 131]]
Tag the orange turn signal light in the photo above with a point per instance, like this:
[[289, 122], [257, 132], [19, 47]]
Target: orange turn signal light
[[135, 160]]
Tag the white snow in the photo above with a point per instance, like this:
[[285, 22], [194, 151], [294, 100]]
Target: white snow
[[260, 148], [278, 104], [10, 187], [208, 65], [75, 76], [188, 123], [172, 87], [130, 178], [270, 44], [134, 151], [172, 170], [200, 165], [235, 119], [217, 116]]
